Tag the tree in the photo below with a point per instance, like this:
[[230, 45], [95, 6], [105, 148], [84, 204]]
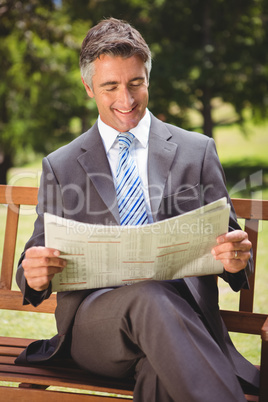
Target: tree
[[202, 50], [41, 102], [206, 51]]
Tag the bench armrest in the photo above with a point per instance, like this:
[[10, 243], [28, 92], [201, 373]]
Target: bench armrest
[[264, 331]]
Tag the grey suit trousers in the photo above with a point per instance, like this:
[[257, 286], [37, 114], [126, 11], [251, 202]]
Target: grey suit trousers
[[153, 330]]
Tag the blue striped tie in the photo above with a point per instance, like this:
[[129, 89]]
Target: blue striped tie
[[130, 197]]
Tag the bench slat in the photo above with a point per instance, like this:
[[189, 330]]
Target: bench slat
[[10, 351], [9, 247], [12, 300], [70, 374], [6, 359], [18, 195], [33, 395], [247, 295], [251, 209], [243, 322], [18, 342], [61, 378]]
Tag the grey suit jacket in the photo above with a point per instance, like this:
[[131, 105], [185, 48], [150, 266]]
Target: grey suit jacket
[[184, 173]]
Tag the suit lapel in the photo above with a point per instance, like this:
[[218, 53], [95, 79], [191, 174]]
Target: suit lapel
[[160, 157], [93, 160]]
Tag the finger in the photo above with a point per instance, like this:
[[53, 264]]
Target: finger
[[233, 255], [244, 245], [234, 236], [35, 252], [40, 272], [31, 263]]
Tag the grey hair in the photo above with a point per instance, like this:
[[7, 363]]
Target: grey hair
[[115, 38]]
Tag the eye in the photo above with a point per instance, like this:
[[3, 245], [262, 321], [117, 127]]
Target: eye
[[110, 89], [136, 84]]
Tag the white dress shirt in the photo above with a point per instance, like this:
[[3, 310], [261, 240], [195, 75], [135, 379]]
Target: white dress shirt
[[138, 150]]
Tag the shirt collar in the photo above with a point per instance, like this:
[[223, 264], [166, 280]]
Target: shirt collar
[[141, 132]]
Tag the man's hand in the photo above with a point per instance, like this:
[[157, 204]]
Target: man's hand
[[233, 250], [40, 265]]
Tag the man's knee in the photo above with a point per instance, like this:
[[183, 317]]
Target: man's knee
[[149, 289]]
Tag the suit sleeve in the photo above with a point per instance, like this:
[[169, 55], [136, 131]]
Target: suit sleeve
[[49, 200], [213, 182]]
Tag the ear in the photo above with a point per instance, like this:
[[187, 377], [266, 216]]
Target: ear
[[88, 89]]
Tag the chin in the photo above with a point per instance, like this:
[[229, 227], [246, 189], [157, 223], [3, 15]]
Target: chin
[[131, 124]]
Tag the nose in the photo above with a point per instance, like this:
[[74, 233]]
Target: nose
[[126, 98]]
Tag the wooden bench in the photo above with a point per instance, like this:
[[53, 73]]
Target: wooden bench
[[31, 383]]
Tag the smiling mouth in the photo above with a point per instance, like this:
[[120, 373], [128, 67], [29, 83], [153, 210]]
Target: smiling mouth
[[125, 111]]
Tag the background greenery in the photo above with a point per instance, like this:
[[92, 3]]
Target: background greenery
[[202, 50]]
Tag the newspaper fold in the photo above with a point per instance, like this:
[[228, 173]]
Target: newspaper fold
[[100, 256]]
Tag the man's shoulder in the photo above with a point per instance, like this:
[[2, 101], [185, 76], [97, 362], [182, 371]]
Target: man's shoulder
[[73, 149], [179, 134]]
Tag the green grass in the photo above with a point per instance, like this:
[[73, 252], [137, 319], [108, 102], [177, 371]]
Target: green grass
[[233, 145], [234, 150]]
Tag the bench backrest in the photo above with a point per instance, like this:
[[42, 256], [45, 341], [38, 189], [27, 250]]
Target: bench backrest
[[14, 197], [251, 210]]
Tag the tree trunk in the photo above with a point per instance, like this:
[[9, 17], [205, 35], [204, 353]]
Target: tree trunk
[[206, 112], [207, 91], [5, 165]]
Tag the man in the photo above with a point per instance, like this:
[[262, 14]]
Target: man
[[168, 334]]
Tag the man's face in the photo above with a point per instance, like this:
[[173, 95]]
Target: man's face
[[120, 88]]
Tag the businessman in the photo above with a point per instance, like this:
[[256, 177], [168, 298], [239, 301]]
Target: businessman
[[132, 169]]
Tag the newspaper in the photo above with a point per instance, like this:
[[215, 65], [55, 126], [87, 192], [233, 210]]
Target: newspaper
[[100, 256]]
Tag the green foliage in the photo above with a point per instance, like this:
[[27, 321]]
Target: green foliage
[[206, 51], [40, 91], [202, 50]]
